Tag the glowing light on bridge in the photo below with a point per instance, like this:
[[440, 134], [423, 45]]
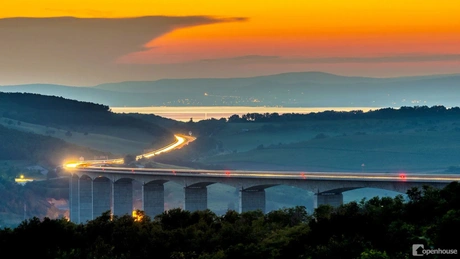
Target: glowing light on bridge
[[72, 164], [303, 175]]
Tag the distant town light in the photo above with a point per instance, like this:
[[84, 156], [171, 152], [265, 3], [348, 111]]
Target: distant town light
[[22, 180]]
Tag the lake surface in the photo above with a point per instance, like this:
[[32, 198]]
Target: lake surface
[[198, 113]]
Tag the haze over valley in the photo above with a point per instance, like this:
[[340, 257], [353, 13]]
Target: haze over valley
[[306, 89]]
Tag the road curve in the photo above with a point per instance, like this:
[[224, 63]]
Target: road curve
[[181, 140]]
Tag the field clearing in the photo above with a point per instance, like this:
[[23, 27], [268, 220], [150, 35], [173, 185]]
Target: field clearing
[[416, 151], [246, 136], [114, 145], [251, 140]]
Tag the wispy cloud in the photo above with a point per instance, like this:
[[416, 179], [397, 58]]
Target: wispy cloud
[[338, 60], [248, 58], [384, 59]]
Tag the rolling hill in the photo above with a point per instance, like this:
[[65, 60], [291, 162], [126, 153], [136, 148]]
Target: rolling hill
[[82, 123], [308, 89]]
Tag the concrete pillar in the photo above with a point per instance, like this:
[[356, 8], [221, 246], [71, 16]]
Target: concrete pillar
[[333, 199], [138, 195], [74, 201], [123, 197], [196, 198], [153, 200], [86, 199], [102, 196], [251, 200]]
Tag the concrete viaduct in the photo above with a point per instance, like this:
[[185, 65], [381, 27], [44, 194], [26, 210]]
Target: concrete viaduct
[[94, 190]]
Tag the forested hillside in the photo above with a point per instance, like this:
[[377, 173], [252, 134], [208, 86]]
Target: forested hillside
[[17, 145], [81, 123], [72, 115]]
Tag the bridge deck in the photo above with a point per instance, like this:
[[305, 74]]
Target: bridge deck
[[344, 176]]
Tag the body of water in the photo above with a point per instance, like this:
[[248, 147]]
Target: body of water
[[198, 113]]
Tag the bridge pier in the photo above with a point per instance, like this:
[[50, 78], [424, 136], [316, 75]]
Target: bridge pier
[[252, 199], [153, 199], [102, 196], [329, 198], [196, 198], [89, 198], [123, 197], [86, 199], [74, 199]]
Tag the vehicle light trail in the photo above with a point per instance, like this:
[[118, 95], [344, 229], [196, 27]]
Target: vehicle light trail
[[181, 140], [276, 174]]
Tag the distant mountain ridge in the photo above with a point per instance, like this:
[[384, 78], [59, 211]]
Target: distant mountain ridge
[[307, 89]]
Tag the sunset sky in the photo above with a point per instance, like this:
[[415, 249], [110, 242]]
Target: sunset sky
[[183, 39]]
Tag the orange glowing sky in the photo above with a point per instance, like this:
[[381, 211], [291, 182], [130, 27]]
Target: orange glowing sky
[[411, 36]]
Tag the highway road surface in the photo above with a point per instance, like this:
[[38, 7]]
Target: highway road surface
[[274, 174], [181, 140]]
